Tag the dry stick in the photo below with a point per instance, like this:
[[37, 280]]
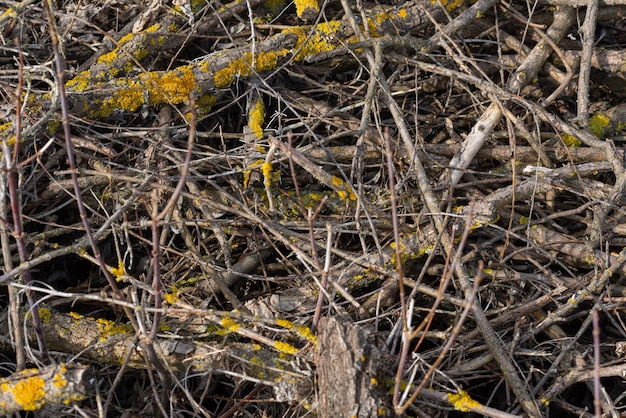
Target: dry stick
[[79, 246], [396, 237], [469, 404], [157, 217], [359, 156], [310, 217], [610, 154], [527, 71], [16, 320], [596, 286], [70, 154], [595, 320], [495, 345], [453, 259], [459, 22], [588, 32], [16, 209], [148, 348], [118, 377]]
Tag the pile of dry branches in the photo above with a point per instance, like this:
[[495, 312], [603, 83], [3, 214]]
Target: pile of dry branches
[[312, 209]]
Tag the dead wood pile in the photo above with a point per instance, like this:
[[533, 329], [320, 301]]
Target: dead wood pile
[[313, 208]]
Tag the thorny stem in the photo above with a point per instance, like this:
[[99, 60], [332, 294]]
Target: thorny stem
[[70, 153], [595, 320], [149, 348], [453, 260], [158, 216], [398, 249], [310, 217], [18, 231]]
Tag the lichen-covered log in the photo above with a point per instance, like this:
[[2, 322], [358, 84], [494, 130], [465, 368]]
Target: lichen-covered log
[[31, 389], [268, 361], [109, 85]]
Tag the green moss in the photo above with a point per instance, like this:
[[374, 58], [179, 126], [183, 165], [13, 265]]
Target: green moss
[[571, 141], [275, 6], [597, 124]]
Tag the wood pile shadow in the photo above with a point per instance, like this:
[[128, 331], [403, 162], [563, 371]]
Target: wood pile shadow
[[406, 208]]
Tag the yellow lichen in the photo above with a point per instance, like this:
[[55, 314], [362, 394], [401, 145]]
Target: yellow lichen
[[303, 331], [141, 53], [266, 168], [343, 190], [248, 172], [306, 333], [8, 13], [463, 402], [230, 325], [317, 40], [6, 126], [450, 5], [172, 86], [108, 328], [197, 5], [311, 200], [152, 29], [80, 82], [29, 392], [243, 67], [405, 254], [45, 314], [58, 380], [151, 88], [171, 297], [108, 58], [305, 8], [75, 316], [119, 271], [285, 348], [285, 323], [256, 115]]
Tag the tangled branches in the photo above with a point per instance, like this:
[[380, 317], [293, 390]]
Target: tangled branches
[[213, 195]]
